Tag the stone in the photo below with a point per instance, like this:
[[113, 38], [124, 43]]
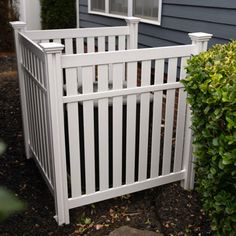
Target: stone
[[126, 230]]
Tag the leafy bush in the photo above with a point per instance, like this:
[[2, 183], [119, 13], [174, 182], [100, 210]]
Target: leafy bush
[[7, 13], [211, 85], [58, 14]]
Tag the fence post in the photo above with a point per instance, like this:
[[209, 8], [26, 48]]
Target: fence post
[[18, 27], [132, 23], [201, 42], [54, 79]]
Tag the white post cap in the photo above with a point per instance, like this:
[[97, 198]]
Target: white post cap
[[200, 36], [132, 20], [18, 24], [52, 47]]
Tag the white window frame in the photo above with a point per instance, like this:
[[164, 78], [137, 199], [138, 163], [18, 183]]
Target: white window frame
[[130, 12]]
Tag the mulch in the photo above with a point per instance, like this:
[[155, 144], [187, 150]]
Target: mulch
[[168, 209]]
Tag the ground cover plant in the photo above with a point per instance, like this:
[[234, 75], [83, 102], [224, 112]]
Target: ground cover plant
[[211, 85]]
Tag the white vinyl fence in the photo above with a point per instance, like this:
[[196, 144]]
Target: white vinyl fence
[[101, 117]]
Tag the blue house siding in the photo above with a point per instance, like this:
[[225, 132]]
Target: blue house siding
[[179, 17]]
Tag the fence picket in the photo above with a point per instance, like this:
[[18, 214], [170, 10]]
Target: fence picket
[[169, 117], [88, 111], [118, 71], [180, 120], [157, 115], [73, 131], [90, 44], [144, 121], [103, 128], [68, 46], [79, 45], [57, 40], [121, 42], [111, 43], [101, 44], [131, 123]]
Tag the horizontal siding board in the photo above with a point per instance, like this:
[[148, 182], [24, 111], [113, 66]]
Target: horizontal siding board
[[220, 31], [103, 20], [179, 17], [216, 15], [209, 3]]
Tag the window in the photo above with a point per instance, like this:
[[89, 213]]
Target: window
[[119, 7], [148, 10], [98, 5]]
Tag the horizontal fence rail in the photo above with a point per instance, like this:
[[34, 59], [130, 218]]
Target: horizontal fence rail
[[77, 33], [127, 56]]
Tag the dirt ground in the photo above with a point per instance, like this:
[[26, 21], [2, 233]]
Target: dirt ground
[[168, 209]]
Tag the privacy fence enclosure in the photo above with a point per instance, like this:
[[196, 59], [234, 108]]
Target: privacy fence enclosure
[[101, 117]]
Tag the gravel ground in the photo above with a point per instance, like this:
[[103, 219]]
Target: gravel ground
[[168, 209]]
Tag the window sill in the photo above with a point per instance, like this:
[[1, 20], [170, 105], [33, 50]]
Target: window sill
[[124, 17]]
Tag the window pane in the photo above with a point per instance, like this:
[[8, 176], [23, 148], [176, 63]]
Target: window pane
[[146, 9], [98, 5], [119, 7]]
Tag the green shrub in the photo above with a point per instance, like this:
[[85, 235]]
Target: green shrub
[[58, 14], [7, 13], [211, 87]]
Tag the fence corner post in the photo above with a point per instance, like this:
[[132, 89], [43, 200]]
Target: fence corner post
[[19, 26], [54, 80], [132, 23], [201, 41]]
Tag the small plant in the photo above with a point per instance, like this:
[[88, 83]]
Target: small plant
[[211, 87], [9, 204]]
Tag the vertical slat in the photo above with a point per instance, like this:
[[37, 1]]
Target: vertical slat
[[121, 42], [73, 130], [111, 47], [117, 125], [169, 116], [57, 40], [111, 43], [90, 44], [28, 103], [35, 119], [103, 128], [79, 45], [47, 133], [180, 120], [131, 123], [44, 41], [39, 114], [45, 124], [91, 48], [144, 121], [157, 114], [44, 134], [87, 80], [68, 46], [101, 44], [31, 95]]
